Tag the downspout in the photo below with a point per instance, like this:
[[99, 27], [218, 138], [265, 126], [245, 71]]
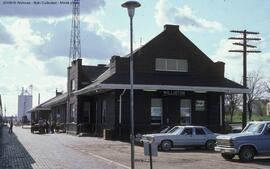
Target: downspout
[[120, 111]]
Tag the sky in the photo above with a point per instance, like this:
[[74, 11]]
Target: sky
[[35, 36]]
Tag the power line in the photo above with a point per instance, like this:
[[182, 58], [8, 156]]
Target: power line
[[244, 39]]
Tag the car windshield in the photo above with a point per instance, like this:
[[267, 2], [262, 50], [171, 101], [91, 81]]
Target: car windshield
[[166, 129], [253, 128], [208, 131], [175, 130]]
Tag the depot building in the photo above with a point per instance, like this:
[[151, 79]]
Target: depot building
[[175, 83]]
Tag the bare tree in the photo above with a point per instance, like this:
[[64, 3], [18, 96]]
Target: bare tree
[[256, 87], [267, 86], [232, 103]]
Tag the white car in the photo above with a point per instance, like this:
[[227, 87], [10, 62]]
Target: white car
[[184, 136]]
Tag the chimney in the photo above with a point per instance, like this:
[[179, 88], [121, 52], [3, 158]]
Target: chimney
[[168, 27], [78, 62], [113, 58], [58, 93], [221, 68], [101, 65]]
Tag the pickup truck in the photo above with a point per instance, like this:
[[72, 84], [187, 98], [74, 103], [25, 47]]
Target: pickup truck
[[254, 140]]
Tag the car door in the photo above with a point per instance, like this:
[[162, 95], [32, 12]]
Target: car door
[[199, 137], [185, 137], [264, 141]]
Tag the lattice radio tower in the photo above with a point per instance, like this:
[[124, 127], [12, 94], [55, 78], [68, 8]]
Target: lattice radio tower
[[75, 41]]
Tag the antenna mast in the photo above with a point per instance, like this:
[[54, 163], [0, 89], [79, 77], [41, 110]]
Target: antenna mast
[[75, 41]]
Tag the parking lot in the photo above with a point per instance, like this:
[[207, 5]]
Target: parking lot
[[66, 151], [175, 159]]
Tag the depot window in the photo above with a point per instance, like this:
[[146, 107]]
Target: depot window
[[156, 111], [174, 65], [73, 85]]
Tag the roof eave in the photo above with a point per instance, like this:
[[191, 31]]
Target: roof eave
[[197, 89], [87, 89]]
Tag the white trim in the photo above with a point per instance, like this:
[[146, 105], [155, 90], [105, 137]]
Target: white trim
[[120, 106], [197, 89], [170, 87], [87, 89]]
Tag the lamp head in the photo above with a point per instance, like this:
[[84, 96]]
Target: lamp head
[[131, 5]]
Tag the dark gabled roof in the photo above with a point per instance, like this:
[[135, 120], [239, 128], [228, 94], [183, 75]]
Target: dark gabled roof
[[39, 107], [90, 73], [172, 31], [169, 82], [171, 79], [60, 99], [49, 103]]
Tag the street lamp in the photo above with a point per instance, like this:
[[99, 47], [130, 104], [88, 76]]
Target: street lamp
[[131, 5]]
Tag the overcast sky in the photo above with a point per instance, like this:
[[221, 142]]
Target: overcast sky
[[34, 38]]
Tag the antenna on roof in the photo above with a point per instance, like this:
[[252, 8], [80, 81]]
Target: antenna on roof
[[75, 41]]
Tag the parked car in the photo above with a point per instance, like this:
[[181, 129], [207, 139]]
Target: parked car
[[162, 129], [237, 129], [184, 136], [35, 127], [40, 127], [165, 129], [252, 141]]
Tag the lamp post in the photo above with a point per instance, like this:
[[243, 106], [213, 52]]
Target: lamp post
[[131, 5]]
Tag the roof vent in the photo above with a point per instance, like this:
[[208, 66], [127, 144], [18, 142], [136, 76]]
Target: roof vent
[[171, 27]]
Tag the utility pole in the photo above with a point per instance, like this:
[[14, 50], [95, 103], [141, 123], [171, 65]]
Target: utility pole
[[244, 51]]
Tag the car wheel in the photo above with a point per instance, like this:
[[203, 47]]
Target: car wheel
[[227, 156], [166, 145], [210, 144], [246, 154]]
